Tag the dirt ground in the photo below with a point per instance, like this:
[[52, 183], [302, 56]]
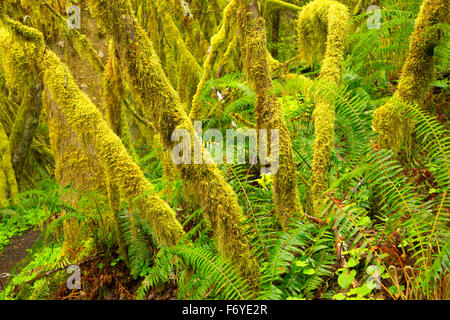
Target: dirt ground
[[16, 252]]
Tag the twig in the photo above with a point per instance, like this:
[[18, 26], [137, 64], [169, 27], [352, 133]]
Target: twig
[[301, 157], [136, 115]]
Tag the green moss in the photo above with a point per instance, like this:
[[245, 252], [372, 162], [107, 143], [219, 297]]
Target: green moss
[[113, 97], [76, 163], [324, 118], [16, 56], [25, 32], [164, 111], [194, 36], [8, 184], [390, 125], [18, 51], [322, 28], [24, 128], [218, 41], [338, 25], [416, 77], [181, 66], [269, 114], [79, 41], [282, 5], [84, 117], [188, 69]]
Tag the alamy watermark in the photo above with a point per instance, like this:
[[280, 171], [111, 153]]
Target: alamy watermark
[[74, 20], [374, 280], [209, 147], [374, 21], [74, 281]]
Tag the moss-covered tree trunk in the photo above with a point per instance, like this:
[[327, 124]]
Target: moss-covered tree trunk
[[114, 93], [8, 183], [269, 113], [24, 128], [163, 109], [88, 122], [417, 74], [329, 21], [22, 81], [219, 44], [84, 117]]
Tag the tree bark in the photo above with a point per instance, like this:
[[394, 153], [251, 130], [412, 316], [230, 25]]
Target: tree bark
[[269, 113], [216, 197], [330, 21]]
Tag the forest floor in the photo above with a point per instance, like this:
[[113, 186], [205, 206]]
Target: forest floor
[[102, 281], [16, 252]]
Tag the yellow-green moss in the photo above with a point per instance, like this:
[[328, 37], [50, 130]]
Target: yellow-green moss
[[322, 30], [164, 111], [313, 28], [281, 5], [85, 118], [114, 92], [22, 76], [194, 36], [338, 26], [218, 41], [324, 118], [8, 184], [181, 66], [79, 41], [24, 128], [17, 53], [74, 158], [77, 163], [113, 97], [269, 114], [416, 77]]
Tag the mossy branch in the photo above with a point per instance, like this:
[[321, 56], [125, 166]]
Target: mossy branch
[[85, 118], [322, 30], [79, 41], [417, 74], [152, 88], [269, 114], [283, 5], [217, 44], [24, 79]]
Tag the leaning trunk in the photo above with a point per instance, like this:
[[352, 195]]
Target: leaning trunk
[[417, 74]]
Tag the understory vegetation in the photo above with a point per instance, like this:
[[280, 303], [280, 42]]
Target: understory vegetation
[[358, 208]]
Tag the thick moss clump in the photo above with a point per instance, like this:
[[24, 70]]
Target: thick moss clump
[[85, 118], [219, 44], [164, 111], [269, 113], [322, 29], [8, 184], [416, 77], [22, 77]]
